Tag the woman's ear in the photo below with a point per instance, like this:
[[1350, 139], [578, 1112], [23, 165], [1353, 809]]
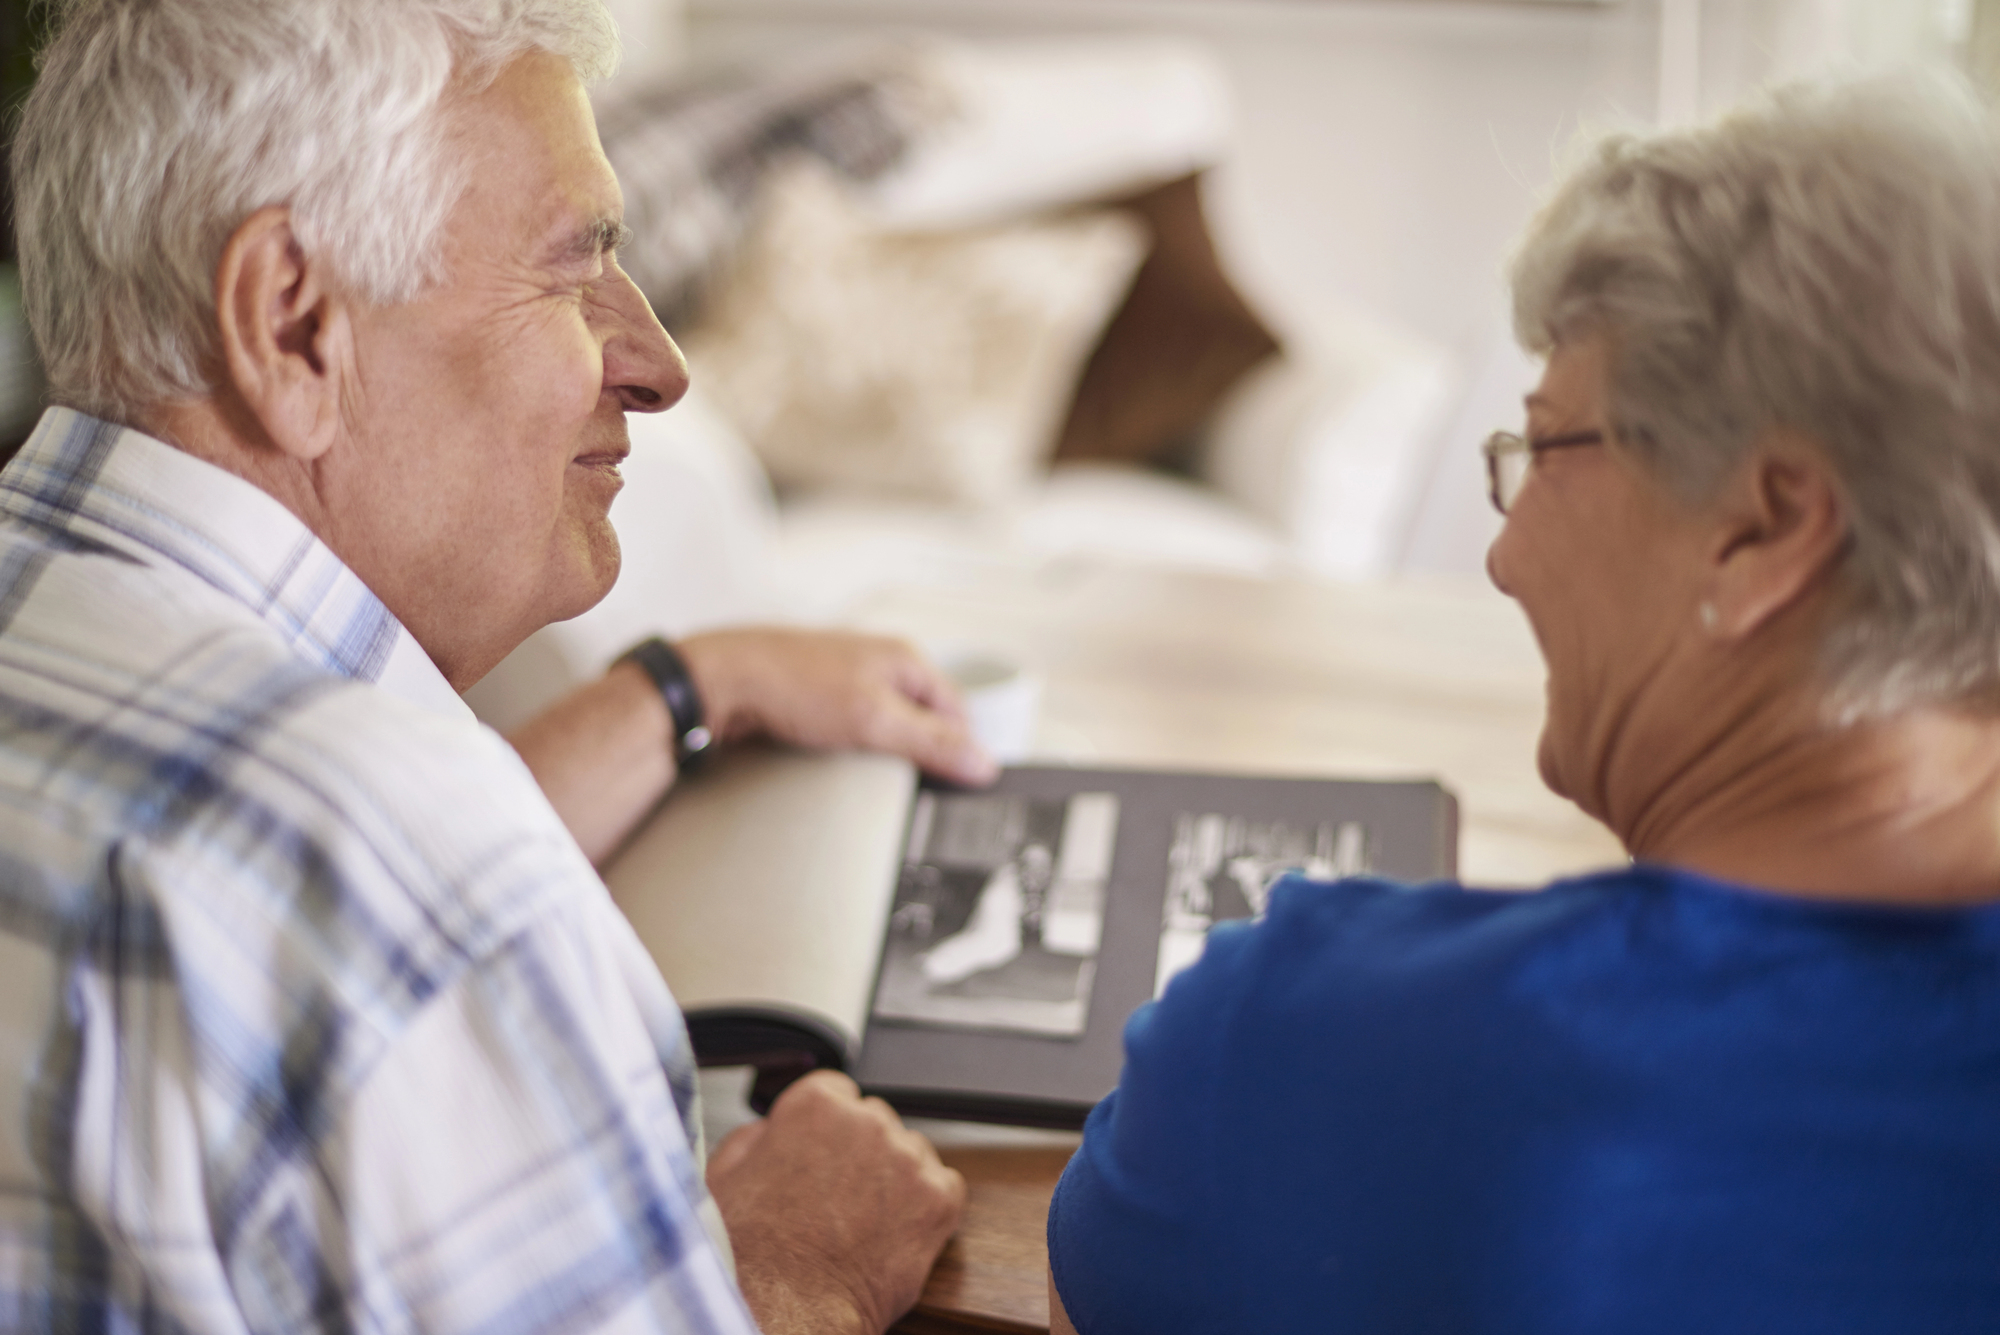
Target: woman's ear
[[1782, 528], [285, 334]]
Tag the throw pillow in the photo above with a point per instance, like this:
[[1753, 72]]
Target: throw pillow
[[1182, 339], [934, 366]]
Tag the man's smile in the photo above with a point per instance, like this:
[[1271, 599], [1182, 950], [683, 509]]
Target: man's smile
[[604, 460]]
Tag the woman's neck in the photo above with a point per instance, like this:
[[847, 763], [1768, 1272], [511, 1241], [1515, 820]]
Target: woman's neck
[[1905, 810]]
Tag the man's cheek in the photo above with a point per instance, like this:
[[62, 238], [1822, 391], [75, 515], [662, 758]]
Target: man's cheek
[[575, 373]]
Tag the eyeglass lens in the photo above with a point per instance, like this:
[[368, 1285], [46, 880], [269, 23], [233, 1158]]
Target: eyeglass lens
[[1510, 474]]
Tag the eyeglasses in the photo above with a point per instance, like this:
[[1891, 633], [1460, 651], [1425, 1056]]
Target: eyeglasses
[[1508, 458]]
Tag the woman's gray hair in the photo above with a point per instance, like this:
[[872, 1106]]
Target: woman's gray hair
[[1825, 260], [157, 126]]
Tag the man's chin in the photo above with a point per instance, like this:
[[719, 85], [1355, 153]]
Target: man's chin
[[591, 574]]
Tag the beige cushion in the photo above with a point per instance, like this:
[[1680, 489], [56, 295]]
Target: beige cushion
[[935, 366]]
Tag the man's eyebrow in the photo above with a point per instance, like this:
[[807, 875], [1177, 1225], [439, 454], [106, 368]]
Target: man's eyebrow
[[600, 236]]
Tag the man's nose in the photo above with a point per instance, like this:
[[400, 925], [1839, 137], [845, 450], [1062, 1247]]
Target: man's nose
[[642, 365]]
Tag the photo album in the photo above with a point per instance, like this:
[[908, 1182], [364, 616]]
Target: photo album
[[974, 954]]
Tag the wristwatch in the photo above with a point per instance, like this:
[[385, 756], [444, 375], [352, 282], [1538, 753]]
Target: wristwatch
[[669, 671]]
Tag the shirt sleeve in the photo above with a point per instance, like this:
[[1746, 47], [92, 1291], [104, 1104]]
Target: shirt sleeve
[[1234, 1179], [1136, 1201], [515, 1164]]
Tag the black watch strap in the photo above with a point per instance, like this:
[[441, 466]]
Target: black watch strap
[[669, 671]]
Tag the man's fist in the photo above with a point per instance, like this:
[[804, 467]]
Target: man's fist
[[834, 689], [835, 1209]]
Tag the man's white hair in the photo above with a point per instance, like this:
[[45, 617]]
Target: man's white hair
[[1827, 260], [157, 126]]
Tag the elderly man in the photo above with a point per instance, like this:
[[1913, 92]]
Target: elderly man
[[314, 1014]]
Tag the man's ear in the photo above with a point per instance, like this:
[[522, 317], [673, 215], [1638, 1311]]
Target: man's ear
[[1781, 528], [285, 333]]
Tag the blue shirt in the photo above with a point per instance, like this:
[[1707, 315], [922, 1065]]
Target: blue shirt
[[312, 1014], [1635, 1102]]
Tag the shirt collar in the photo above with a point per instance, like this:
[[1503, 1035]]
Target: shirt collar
[[113, 487]]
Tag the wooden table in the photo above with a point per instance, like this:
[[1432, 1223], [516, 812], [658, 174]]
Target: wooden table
[[1428, 679], [993, 1275], [1418, 679]]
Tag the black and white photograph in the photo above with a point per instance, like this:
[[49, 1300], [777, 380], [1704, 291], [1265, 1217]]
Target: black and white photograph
[[999, 912], [1222, 867]]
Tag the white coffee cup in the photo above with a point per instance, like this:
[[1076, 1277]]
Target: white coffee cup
[[1001, 697]]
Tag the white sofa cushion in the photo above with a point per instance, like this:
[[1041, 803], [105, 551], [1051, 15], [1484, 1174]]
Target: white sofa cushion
[[1333, 444], [835, 553], [1048, 123]]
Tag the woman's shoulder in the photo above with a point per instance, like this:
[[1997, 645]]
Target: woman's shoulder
[[1618, 954], [1372, 929], [1643, 912]]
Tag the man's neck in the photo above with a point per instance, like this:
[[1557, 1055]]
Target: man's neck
[[221, 430]]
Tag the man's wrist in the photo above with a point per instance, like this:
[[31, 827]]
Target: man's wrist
[[668, 671], [783, 1305], [723, 666]]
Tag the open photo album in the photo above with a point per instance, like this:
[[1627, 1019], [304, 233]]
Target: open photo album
[[974, 954]]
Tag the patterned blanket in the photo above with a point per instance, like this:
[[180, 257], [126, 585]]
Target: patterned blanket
[[692, 156]]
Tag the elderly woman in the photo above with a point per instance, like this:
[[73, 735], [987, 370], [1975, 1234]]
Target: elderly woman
[[1752, 1081]]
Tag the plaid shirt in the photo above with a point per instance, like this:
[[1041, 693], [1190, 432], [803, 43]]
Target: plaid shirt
[[312, 1015]]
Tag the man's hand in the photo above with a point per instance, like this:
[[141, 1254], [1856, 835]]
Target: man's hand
[[835, 1210], [604, 753], [834, 689]]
